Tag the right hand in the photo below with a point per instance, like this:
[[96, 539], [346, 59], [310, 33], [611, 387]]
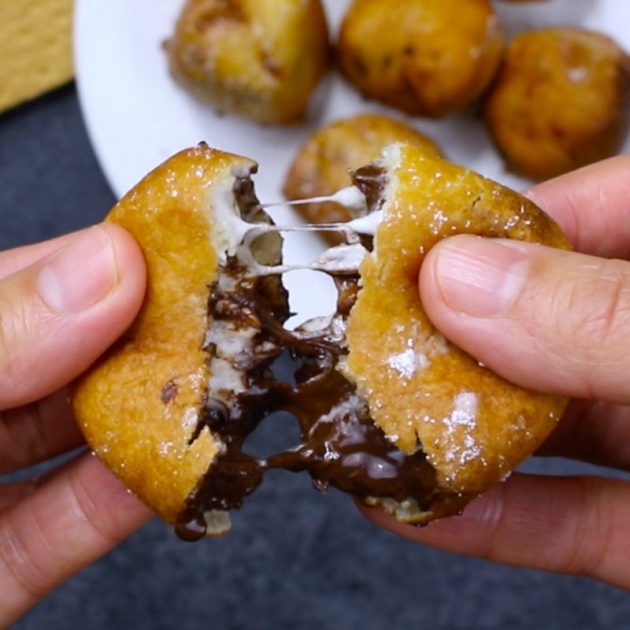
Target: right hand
[[556, 322]]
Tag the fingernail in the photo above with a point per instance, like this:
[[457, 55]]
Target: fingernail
[[80, 274], [480, 277]]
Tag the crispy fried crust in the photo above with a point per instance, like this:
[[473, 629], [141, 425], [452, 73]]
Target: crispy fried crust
[[139, 405], [256, 58], [423, 391], [322, 165]]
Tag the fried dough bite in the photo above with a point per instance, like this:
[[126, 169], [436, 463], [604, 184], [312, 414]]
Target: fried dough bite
[[388, 410], [425, 393], [260, 59], [561, 101], [424, 57]]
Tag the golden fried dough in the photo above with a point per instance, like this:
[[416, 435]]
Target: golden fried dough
[[424, 57], [422, 391], [260, 59], [140, 405], [560, 101]]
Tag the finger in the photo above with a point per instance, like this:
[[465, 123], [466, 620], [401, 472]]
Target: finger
[[575, 525], [59, 314], [14, 260], [64, 525], [36, 432], [546, 319], [13, 493], [593, 432], [592, 206]]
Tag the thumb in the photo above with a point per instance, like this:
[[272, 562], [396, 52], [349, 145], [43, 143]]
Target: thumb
[[545, 319], [58, 314]]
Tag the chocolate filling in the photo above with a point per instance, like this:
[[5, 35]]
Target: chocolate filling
[[341, 445], [371, 180]]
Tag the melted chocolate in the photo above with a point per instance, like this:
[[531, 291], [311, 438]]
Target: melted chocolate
[[371, 180], [341, 445]]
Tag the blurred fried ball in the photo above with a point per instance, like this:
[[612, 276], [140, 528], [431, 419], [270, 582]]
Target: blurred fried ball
[[424, 57], [260, 59], [560, 101]]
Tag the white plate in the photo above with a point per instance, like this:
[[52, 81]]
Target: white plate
[[137, 116]]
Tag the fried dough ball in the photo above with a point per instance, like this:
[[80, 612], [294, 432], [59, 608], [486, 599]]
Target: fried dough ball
[[424, 57], [388, 409], [560, 101], [260, 59], [161, 358], [323, 164], [423, 391]]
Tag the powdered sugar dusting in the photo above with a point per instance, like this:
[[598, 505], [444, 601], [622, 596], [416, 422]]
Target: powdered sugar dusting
[[164, 448], [465, 411], [459, 429], [408, 362]]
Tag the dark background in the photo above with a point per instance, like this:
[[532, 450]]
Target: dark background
[[295, 558]]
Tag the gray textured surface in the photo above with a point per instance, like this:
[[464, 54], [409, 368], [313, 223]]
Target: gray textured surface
[[296, 559]]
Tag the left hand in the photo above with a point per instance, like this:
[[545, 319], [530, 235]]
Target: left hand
[[62, 303]]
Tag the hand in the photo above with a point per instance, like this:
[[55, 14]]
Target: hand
[[555, 322], [62, 303]]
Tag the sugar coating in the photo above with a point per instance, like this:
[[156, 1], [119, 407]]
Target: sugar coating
[[408, 362], [459, 429], [465, 410], [164, 448]]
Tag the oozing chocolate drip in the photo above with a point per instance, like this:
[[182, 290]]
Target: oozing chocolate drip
[[341, 444]]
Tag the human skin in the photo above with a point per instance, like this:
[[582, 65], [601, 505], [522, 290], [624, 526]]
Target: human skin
[[62, 303], [557, 322]]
